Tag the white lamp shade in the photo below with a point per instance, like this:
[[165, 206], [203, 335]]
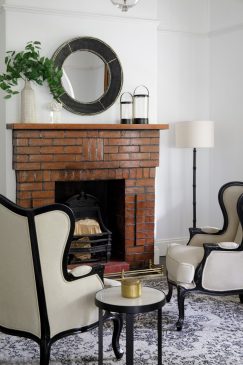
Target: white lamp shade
[[194, 134]]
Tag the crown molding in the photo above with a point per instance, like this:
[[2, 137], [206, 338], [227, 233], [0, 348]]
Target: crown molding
[[214, 33], [183, 32], [226, 30], [77, 14], [15, 7]]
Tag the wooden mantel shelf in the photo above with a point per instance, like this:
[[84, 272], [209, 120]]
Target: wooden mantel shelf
[[64, 126]]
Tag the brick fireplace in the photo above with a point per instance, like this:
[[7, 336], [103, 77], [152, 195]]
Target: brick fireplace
[[45, 155]]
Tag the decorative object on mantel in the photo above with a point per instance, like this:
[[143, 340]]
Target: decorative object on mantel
[[55, 111], [195, 134], [141, 105], [28, 105], [124, 5], [126, 108], [29, 65], [99, 77]]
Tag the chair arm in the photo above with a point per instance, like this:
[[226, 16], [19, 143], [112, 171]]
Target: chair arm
[[203, 230], [228, 245], [210, 230], [221, 246], [84, 271], [194, 231]]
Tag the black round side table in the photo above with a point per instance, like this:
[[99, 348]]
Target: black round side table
[[111, 300]]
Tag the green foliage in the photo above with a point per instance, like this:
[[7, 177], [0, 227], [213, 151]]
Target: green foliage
[[29, 65]]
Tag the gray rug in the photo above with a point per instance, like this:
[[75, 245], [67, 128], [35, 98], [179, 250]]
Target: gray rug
[[212, 334]]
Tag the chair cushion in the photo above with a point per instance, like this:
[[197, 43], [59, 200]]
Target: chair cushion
[[182, 261]]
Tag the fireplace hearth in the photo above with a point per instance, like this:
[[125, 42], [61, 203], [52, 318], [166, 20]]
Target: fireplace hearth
[[124, 157]]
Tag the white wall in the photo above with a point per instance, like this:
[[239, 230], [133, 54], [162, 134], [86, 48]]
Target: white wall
[[200, 76], [134, 39], [226, 60], [183, 94], [225, 14]]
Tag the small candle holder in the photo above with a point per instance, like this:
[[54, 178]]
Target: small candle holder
[[131, 288], [55, 111]]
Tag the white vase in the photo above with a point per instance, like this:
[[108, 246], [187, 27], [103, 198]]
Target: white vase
[[28, 108]]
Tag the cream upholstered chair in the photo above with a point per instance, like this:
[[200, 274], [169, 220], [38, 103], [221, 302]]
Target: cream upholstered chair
[[212, 261], [40, 299]]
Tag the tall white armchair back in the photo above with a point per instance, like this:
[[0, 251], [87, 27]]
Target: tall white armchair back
[[232, 230], [69, 304], [19, 308]]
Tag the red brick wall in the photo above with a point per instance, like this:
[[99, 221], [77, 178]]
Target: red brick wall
[[42, 157]]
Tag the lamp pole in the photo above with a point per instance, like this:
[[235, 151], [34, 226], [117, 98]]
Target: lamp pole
[[194, 187], [194, 134]]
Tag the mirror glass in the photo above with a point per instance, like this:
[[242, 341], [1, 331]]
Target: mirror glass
[[85, 76]]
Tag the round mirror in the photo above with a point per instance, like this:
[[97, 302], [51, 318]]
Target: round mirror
[[92, 75]]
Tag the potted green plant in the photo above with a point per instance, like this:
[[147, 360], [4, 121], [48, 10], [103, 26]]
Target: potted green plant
[[30, 66]]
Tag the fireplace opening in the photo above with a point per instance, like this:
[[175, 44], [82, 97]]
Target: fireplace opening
[[110, 195]]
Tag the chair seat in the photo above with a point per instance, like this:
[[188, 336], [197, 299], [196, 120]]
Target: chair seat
[[182, 261]]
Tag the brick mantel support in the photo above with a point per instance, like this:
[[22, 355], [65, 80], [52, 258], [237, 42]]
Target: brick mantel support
[[46, 153]]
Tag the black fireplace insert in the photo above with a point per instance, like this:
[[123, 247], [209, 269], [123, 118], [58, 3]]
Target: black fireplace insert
[[92, 239]]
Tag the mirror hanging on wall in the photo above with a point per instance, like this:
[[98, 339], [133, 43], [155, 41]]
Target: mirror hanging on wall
[[92, 75]]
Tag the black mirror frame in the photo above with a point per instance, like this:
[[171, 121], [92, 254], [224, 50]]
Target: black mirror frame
[[109, 57]]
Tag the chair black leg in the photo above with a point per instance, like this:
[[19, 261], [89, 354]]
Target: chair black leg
[[181, 293], [45, 351], [241, 298], [170, 291]]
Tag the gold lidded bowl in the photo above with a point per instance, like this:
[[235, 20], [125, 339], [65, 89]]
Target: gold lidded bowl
[[131, 288]]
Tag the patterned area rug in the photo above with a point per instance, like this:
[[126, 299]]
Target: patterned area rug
[[212, 335]]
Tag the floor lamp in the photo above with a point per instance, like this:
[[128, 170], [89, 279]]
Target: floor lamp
[[196, 134]]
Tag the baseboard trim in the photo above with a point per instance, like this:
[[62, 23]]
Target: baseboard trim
[[160, 246]]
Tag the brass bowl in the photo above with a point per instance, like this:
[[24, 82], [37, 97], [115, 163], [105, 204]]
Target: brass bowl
[[131, 288]]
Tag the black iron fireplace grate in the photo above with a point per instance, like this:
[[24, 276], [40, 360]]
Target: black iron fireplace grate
[[88, 247]]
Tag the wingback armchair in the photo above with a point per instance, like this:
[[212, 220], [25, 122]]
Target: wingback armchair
[[40, 299], [212, 261]]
